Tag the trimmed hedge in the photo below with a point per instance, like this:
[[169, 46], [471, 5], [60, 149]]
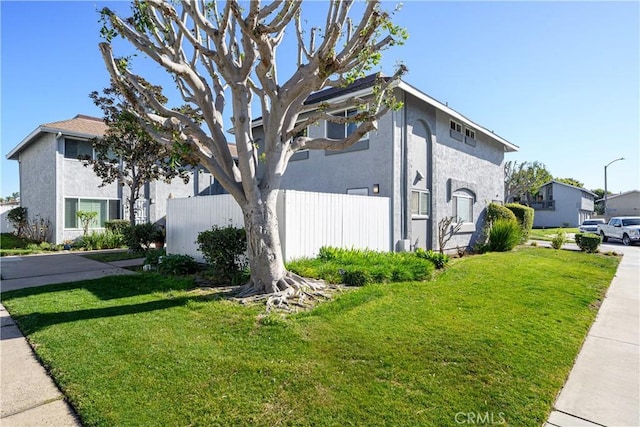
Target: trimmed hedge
[[588, 242], [496, 212], [524, 215]]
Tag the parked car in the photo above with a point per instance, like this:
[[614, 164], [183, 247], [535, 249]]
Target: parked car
[[590, 225], [625, 228]]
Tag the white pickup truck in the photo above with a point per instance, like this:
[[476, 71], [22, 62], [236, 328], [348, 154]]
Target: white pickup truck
[[625, 228]]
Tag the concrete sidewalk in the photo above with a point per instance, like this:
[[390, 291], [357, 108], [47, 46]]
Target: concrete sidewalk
[[28, 395], [603, 388]]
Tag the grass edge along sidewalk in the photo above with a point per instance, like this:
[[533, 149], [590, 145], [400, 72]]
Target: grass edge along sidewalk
[[493, 334]]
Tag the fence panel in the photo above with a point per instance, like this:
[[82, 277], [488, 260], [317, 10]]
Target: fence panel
[[307, 222], [188, 217]]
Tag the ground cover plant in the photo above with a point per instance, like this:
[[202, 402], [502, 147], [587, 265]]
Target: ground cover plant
[[494, 333], [10, 244], [358, 267]]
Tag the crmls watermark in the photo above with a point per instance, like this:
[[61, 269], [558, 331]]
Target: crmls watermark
[[480, 418]]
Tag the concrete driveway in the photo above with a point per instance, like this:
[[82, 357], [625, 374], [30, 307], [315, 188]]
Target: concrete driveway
[[37, 270]]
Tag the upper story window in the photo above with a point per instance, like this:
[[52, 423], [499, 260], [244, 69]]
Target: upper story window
[[455, 130], [75, 148], [470, 136], [343, 130]]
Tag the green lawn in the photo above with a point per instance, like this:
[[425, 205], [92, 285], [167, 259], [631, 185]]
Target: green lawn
[[114, 256], [10, 244], [549, 233], [494, 333]]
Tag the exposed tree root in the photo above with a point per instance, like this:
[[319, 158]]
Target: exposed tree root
[[290, 293]]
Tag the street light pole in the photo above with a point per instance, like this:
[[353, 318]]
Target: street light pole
[[605, 184]]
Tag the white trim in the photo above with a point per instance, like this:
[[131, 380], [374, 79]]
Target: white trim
[[429, 100], [45, 129]]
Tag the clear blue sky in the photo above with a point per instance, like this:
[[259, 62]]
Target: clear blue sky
[[559, 79]]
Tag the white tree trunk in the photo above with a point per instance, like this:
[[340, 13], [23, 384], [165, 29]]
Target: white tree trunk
[[263, 246]]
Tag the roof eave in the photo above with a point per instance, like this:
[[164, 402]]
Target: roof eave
[[13, 154], [508, 146]]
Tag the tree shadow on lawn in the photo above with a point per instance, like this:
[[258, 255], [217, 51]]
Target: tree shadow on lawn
[[112, 288]]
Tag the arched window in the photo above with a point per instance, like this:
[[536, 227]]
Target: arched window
[[463, 201]]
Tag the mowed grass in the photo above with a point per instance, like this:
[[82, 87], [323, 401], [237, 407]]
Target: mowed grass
[[495, 333], [111, 256], [548, 234]]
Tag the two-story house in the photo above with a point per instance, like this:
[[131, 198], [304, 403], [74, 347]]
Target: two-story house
[[55, 185], [562, 205], [431, 161]]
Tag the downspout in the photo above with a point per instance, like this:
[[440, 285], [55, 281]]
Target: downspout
[[406, 231]]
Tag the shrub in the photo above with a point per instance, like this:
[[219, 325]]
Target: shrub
[[101, 240], [354, 276], [118, 226], [139, 237], [153, 255], [86, 218], [496, 212], [224, 250], [177, 265], [357, 267], [588, 242], [559, 240], [524, 215], [18, 219], [438, 259], [504, 235]]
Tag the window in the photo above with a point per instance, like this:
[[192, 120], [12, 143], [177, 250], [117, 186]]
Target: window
[[420, 203], [470, 137], [342, 130], [106, 209], [463, 206], [470, 133], [455, 130], [75, 148]]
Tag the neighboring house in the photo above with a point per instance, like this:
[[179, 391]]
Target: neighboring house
[[431, 161], [623, 204], [558, 204], [54, 184], [5, 225]]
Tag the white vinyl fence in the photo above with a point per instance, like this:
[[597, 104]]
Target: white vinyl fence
[[307, 222]]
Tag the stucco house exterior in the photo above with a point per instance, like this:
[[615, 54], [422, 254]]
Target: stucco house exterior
[[54, 184], [431, 161], [558, 204], [623, 204]]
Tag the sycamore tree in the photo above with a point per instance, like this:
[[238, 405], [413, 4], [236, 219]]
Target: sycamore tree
[[224, 55], [523, 180], [127, 154]]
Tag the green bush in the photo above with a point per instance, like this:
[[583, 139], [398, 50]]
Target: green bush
[[438, 259], [118, 226], [153, 255], [504, 235], [177, 265], [496, 212], [355, 276], [18, 219], [559, 240], [139, 237], [224, 250], [524, 215], [101, 240], [357, 267], [588, 242]]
